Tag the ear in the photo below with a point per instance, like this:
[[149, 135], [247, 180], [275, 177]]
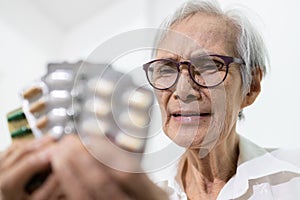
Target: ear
[[254, 88]]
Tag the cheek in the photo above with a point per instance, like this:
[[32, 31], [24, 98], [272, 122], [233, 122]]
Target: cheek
[[234, 97], [162, 98], [233, 100]]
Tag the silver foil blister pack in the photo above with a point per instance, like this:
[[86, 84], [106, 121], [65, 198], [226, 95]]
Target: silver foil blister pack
[[85, 99]]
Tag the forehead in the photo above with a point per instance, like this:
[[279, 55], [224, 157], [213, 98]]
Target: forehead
[[200, 33]]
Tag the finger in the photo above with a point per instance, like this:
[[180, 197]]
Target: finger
[[111, 155], [68, 179], [2, 154], [82, 175], [46, 190], [80, 164], [53, 192], [99, 174], [93, 185], [31, 164], [15, 145], [13, 181], [132, 184], [58, 194], [21, 149]]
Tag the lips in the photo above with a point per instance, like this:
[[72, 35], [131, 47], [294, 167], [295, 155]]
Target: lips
[[189, 114], [189, 117]]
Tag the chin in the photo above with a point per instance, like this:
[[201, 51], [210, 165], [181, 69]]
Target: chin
[[186, 139], [183, 142], [193, 139]]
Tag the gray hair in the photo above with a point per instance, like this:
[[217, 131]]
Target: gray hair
[[250, 45]]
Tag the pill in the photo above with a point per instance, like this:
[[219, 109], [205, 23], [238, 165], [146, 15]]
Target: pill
[[23, 131], [37, 106], [140, 99], [94, 126], [60, 97], [16, 115], [58, 115], [42, 122], [56, 131], [133, 119], [32, 92], [61, 78], [101, 87], [98, 106], [128, 142]]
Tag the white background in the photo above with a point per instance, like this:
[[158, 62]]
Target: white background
[[33, 33]]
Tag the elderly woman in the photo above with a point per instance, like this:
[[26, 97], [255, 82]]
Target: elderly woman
[[208, 67]]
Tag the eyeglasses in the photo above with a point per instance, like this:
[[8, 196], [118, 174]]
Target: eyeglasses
[[206, 71]]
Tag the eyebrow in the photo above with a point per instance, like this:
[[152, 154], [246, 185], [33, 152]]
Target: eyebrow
[[194, 55], [202, 53], [169, 56]]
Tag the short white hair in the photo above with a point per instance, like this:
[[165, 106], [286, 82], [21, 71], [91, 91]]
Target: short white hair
[[249, 42]]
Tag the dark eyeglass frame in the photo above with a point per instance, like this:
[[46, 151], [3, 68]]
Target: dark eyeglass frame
[[227, 61]]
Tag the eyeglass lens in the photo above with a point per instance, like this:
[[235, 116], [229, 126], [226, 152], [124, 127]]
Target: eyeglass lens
[[206, 71]]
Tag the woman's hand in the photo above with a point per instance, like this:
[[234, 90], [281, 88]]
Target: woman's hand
[[20, 163], [76, 174], [81, 176]]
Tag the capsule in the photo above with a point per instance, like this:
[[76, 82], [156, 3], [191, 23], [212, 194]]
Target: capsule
[[93, 126], [60, 97], [101, 87], [58, 116], [16, 115], [128, 142], [56, 131], [140, 99], [32, 92], [132, 119], [21, 132], [37, 106], [60, 78], [98, 106], [42, 122]]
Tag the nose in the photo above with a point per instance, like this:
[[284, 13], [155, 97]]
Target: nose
[[185, 89]]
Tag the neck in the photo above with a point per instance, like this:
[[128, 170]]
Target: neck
[[205, 177]]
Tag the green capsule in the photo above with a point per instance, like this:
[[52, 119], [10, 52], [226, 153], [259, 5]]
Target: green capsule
[[24, 130], [16, 115]]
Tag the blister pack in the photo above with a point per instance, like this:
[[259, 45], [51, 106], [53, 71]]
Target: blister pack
[[86, 98]]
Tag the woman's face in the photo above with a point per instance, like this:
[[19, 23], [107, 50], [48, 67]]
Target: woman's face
[[194, 116]]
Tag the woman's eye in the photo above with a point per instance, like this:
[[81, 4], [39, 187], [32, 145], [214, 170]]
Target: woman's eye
[[207, 63], [218, 64], [215, 66], [166, 70], [207, 67]]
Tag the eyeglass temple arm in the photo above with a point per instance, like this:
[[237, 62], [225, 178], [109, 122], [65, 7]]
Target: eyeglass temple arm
[[238, 60]]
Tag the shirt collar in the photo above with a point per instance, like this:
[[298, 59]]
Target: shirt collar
[[254, 162]]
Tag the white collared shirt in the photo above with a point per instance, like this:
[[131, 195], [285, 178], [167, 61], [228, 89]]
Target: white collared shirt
[[260, 175]]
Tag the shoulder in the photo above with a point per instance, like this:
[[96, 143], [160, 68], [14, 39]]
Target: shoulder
[[289, 155]]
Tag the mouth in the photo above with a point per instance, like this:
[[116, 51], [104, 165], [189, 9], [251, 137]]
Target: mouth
[[190, 114], [189, 117]]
